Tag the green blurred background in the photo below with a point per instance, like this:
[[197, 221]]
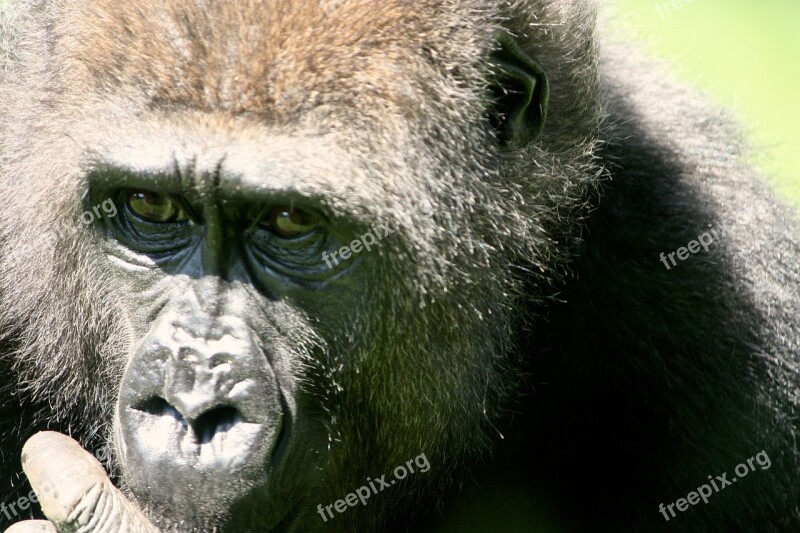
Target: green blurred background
[[746, 53]]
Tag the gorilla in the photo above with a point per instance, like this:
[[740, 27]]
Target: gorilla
[[441, 265]]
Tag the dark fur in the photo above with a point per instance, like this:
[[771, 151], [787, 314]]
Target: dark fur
[[639, 382]]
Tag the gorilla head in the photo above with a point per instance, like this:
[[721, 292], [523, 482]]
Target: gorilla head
[[243, 377], [332, 222]]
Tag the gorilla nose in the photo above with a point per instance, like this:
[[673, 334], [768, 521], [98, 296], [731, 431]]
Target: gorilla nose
[[203, 425], [195, 405]]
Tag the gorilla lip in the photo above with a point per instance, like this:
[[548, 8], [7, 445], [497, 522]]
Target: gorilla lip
[[222, 446]]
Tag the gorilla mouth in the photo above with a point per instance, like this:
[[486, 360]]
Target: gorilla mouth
[[221, 437], [214, 422]]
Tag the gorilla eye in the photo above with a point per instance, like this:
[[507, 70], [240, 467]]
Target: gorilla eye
[[289, 223], [154, 207]]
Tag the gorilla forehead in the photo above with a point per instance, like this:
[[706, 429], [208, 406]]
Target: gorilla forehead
[[243, 56]]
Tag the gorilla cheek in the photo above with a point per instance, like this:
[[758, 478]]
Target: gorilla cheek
[[199, 406]]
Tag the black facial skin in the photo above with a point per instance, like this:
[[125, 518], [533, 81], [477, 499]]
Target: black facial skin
[[207, 400]]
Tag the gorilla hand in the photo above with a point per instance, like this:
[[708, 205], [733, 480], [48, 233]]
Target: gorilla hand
[[74, 490]]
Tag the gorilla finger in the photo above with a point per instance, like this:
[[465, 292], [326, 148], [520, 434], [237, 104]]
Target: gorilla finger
[[33, 526], [74, 490]]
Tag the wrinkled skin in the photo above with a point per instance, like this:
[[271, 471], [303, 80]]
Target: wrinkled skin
[[519, 184]]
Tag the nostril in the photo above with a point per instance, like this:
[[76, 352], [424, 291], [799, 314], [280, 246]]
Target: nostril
[[205, 427], [217, 420], [159, 407]]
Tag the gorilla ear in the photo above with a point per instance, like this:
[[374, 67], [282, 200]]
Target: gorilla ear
[[520, 92]]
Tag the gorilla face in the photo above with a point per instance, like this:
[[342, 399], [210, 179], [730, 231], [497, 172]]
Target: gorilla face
[[245, 344], [224, 282]]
